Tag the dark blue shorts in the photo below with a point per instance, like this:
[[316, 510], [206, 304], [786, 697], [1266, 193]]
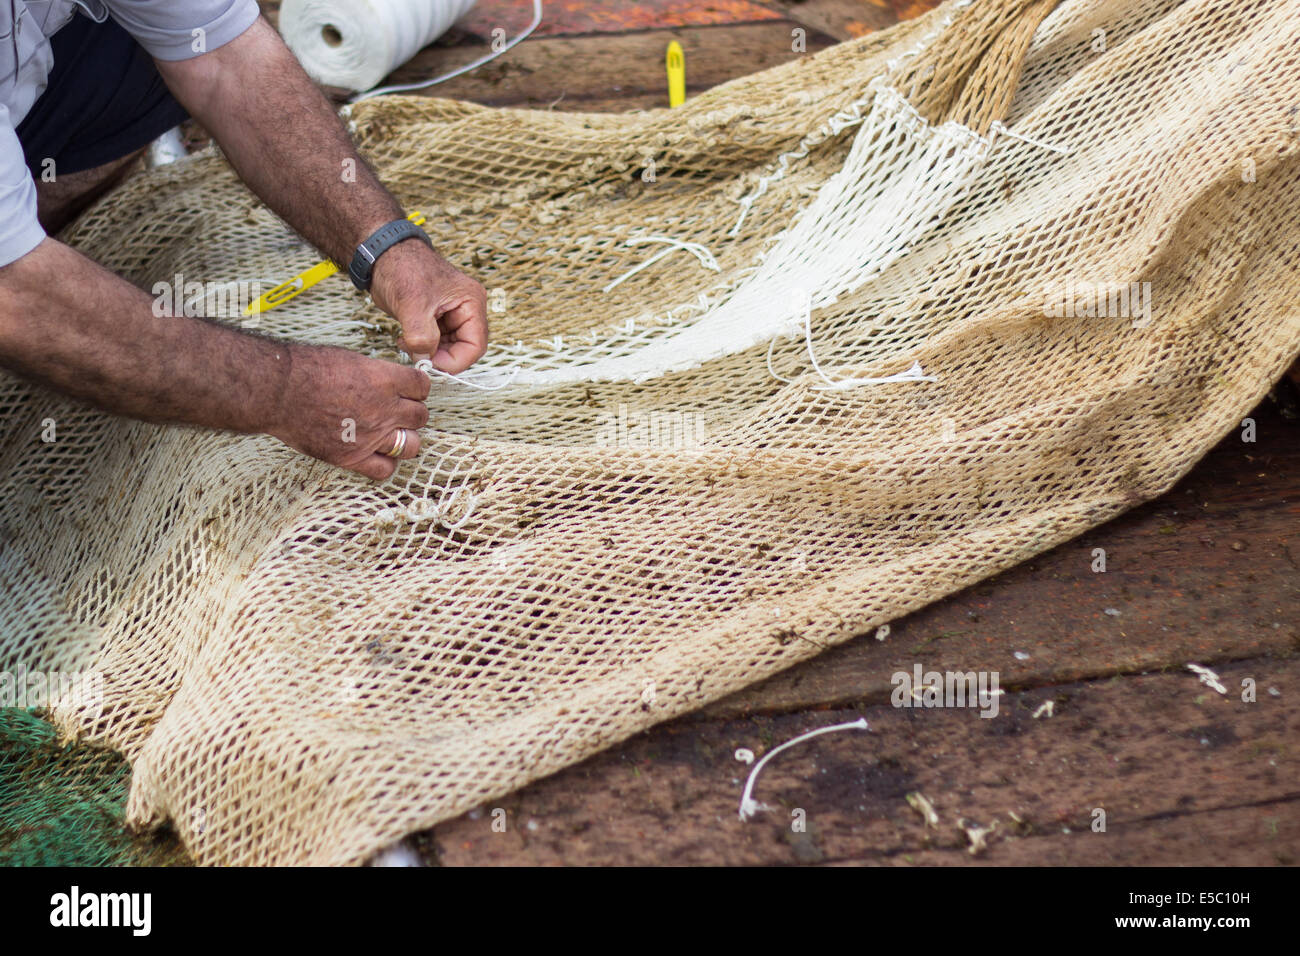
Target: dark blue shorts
[[105, 100]]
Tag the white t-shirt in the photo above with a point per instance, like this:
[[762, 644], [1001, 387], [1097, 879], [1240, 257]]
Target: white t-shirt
[[167, 29]]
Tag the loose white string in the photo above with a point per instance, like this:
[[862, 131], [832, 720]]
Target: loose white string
[[748, 806], [469, 511], [915, 373], [771, 371], [694, 248], [1002, 128]]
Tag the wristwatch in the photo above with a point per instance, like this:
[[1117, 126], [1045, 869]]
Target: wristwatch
[[376, 244]]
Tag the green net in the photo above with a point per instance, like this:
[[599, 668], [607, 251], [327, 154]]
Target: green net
[[62, 804]]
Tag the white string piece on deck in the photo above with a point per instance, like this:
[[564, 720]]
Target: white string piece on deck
[[748, 805], [699, 251]]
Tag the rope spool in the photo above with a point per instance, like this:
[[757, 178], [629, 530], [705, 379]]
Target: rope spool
[[353, 44]]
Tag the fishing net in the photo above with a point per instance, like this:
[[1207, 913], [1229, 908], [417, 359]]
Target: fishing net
[[64, 805], [816, 349]]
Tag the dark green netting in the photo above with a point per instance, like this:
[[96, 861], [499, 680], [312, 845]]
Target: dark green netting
[[62, 804]]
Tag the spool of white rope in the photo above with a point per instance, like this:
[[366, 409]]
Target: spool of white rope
[[354, 44]]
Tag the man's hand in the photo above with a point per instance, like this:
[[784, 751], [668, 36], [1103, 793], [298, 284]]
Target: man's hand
[[443, 312], [347, 409]]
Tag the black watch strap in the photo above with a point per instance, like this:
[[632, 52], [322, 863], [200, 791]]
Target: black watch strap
[[376, 244]]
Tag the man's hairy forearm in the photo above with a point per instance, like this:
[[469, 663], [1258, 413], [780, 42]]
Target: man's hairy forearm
[[71, 325], [284, 139]]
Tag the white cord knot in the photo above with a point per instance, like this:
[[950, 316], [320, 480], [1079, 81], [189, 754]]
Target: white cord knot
[[421, 510]]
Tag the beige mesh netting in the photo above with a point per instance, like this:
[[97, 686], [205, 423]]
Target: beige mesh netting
[[1065, 235]]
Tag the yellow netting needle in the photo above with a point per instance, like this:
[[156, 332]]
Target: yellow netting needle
[[676, 74], [303, 281]]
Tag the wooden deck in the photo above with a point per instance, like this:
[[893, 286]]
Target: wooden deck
[[1209, 573]]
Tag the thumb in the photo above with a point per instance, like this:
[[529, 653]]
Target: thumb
[[420, 335]]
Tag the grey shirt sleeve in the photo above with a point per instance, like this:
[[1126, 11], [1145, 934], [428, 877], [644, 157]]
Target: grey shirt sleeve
[[168, 30], [171, 30], [20, 233]]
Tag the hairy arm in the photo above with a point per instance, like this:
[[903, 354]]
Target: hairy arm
[[112, 350], [72, 325], [285, 141]]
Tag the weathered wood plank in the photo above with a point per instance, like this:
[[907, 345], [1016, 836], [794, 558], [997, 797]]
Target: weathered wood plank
[[622, 71], [1183, 774], [577, 17], [1261, 834], [845, 19]]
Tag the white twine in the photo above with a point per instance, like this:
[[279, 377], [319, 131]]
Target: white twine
[[1002, 128], [749, 806], [913, 374], [699, 251], [427, 367]]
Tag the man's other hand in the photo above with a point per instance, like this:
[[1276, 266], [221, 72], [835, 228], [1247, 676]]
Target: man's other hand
[[347, 409], [443, 312]]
